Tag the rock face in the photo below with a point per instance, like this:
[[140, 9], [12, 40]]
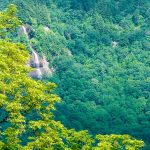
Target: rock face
[[45, 67], [46, 28], [114, 44], [40, 64]]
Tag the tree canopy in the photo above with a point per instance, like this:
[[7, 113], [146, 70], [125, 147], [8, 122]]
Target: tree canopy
[[26, 105]]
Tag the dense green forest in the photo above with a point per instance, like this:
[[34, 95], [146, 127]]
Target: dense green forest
[[100, 52]]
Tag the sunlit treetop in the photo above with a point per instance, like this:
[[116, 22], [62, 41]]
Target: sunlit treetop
[[8, 20]]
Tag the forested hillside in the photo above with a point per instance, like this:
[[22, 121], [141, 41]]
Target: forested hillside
[[100, 52]]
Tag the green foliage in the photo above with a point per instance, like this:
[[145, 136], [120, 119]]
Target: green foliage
[[118, 142], [105, 87], [100, 52], [8, 20]]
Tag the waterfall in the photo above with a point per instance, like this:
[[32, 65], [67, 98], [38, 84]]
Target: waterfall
[[25, 31], [36, 58], [37, 64]]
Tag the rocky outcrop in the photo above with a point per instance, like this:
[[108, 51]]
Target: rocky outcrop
[[114, 44], [46, 29], [45, 67]]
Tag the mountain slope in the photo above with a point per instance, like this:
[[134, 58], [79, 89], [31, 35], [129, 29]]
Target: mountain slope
[[100, 52]]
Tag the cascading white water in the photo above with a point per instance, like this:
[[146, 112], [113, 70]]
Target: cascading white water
[[37, 64], [36, 58], [25, 31]]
